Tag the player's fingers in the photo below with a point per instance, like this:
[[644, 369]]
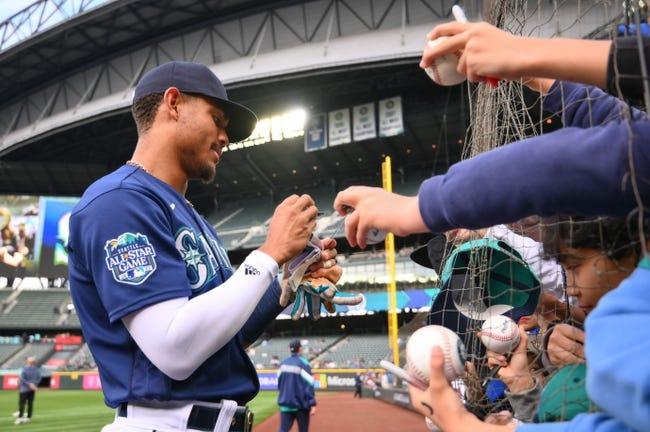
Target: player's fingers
[[305, 201], [315, 267], [328, 243], [291, 199], [328, 254], [448, 29], [351, 222], [309, 212], [450, 45]]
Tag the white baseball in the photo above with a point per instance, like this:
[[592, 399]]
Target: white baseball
[[500, 334], [418, 352], [443, 69], [374, 236]]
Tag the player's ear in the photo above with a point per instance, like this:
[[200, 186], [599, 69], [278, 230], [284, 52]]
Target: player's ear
[[172, 100]]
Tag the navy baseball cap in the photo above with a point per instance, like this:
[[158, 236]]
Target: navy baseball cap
[[294, 346], [196, 78]]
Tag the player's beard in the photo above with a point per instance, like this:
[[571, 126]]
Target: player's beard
[[198, 168]]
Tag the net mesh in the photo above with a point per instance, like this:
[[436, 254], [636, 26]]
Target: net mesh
[[546, 274]]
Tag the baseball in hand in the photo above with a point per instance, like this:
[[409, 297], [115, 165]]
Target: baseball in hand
[[500, 334], [443, 69], [374, 236], [418, 352]]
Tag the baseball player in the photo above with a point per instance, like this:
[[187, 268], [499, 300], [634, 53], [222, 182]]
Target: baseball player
[[165, 317], [296, 385]]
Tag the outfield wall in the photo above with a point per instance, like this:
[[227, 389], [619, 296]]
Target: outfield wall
[[325, 379]]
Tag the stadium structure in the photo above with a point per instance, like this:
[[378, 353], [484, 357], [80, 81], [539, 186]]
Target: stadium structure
[[337, 88]]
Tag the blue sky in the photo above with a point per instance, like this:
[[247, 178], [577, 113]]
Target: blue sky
[[10, 7]]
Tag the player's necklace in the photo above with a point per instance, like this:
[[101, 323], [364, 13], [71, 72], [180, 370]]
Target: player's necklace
[[137, 165]]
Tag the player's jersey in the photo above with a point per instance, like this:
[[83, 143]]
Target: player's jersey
[[135, 241]]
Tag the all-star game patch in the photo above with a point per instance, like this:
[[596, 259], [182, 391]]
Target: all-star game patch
[[131, 258]]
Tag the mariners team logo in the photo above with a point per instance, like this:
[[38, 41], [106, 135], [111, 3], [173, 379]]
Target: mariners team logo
[[131, 258]]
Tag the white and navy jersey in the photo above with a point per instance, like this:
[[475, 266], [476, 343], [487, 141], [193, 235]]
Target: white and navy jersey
[[134, 242], [295, 384]]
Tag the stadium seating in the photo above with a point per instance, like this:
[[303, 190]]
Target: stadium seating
[[356, 351], [40, 351], [81, 360], [35, 309], [7, 350], [263, 351]]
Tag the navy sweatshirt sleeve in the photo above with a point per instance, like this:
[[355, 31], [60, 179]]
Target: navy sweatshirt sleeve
[[585, 106], [571, 171], [265, 312]]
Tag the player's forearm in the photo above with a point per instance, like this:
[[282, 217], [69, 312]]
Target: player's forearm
[[575, 60], [179, 335], [265, 312]]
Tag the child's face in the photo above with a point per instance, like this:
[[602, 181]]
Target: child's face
[[590, 274]]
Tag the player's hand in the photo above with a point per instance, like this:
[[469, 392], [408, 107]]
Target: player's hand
[[486, 50], [514, 373], [377, 208], [290, 228], [312, 410], [327, 266], [440, 402], [566, 345]]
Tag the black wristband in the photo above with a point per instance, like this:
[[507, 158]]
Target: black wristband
[[624, 66]]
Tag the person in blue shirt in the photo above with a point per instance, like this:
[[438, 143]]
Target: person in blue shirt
[[166, 317], [30, 377], [585, 170], [296, 390]]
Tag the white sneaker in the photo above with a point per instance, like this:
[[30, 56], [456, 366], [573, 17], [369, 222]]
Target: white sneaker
[[26, 419], [15, 414], [19, 420]]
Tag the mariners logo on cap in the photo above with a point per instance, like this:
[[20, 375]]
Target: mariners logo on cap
[[131, 258]]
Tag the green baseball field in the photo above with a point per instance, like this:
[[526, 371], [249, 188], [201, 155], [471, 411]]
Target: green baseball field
[[84, 411]]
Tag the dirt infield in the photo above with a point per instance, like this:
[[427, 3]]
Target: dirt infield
[[340, 412]]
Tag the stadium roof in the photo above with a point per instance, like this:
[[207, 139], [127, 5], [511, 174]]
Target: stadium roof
[[96, 32]]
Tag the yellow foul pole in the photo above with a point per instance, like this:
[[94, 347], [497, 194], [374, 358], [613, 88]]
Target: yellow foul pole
[[387, 182]]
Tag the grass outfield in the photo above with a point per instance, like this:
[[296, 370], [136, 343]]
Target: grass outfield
[[84, 411]]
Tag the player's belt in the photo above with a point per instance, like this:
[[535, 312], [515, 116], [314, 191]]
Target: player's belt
[[204, 418]]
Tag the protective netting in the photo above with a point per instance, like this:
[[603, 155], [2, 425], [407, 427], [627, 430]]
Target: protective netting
[[547, 274]]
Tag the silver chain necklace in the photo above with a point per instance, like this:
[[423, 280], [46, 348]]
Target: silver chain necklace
[[137, 165]]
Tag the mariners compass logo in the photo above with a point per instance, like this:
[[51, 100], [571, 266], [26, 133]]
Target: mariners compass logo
[[131, 258]]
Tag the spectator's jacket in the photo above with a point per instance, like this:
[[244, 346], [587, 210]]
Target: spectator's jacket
[[577, 170], [29, 375], [296, 384], [617, 346]]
